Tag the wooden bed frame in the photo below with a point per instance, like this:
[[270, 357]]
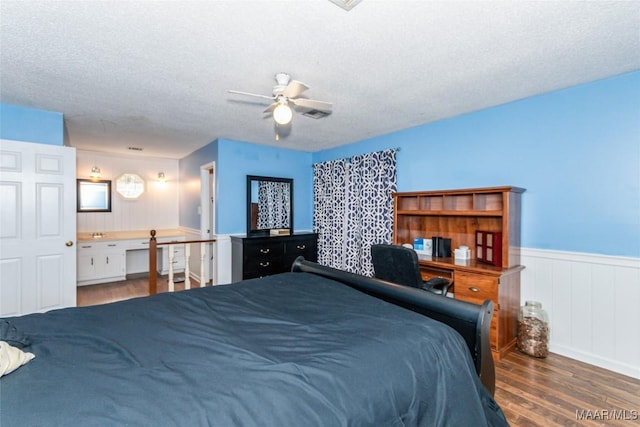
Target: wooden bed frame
[[469, 320]]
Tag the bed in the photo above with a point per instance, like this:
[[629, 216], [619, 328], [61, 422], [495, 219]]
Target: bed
[[313, 347]]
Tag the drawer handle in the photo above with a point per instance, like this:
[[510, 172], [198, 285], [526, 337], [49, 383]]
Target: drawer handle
[[265, 264], [112, 244], [85, 247], [265, 251], [474, 289], [145, 243], [301, 247]]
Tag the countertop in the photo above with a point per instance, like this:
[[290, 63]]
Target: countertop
[[126, 235]]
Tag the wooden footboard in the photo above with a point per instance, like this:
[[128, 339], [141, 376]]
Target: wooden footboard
[[469, 320]]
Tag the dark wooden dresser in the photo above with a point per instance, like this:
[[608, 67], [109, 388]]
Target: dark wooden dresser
[[257, 256]]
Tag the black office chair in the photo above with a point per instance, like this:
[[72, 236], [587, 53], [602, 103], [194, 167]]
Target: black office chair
[[398, 264]]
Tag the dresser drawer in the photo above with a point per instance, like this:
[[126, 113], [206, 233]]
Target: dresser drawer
[[306, 248], [262, 250], [258, 268], [300, 247], [476, 288], [261, 256]]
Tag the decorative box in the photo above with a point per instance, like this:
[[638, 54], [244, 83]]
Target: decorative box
[[462, 252], [489, 247], [279, 232]]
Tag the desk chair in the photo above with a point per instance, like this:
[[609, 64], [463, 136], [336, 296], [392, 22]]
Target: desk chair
[[398, 264]]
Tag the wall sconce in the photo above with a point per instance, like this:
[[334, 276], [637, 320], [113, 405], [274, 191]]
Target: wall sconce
[[95, 173], [161, 178]]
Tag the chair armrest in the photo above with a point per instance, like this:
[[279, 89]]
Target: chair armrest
[[437, 283]]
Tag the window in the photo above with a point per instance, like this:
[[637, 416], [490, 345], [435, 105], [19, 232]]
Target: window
[[130, 185]]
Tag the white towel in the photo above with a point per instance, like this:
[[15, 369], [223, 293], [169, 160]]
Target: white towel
[[11, 358]]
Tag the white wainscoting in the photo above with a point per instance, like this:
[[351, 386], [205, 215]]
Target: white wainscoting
[[593, 303], [221, 257]]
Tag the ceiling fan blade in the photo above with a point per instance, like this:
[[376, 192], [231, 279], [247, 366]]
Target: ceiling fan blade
[[294, 89], [312, 104], [237, 92], [271, 107]]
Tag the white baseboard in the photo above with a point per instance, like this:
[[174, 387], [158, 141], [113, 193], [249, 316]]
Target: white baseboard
[[592, 359], [593, 302]]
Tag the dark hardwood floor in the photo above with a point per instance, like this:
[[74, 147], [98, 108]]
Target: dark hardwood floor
[[555, 391]]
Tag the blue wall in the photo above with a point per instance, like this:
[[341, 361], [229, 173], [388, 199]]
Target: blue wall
[[31, 125], [576, 151], [189, 191], [237, 159], [234, 161]]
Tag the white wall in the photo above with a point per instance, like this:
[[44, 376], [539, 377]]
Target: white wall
[[593, 303], [156, 208]]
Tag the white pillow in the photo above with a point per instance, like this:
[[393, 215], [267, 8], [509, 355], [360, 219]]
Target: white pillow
[[11, 358]]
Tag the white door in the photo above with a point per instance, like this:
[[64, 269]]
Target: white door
[[37, 227]]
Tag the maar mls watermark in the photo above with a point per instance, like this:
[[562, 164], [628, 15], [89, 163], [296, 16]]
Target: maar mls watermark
[[607, 414]]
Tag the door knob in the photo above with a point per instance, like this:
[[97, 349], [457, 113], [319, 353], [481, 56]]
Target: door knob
[[69, 243]]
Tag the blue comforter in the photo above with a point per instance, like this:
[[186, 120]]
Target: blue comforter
[[287, 350]]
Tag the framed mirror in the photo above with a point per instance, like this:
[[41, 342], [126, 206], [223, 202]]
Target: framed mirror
[[269, 204], [93, 195]]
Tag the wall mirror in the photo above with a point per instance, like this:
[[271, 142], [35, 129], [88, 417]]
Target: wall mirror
[[130, 185], [93, 195], [269, 204]]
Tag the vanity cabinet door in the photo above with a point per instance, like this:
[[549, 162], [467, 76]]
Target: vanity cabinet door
[[86, 269], [111, 261], [100, 262]]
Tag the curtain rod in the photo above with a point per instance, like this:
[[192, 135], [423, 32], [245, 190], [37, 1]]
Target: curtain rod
[[347, 158]]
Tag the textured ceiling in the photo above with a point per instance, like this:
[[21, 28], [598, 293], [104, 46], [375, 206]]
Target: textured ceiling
[[154, 74]]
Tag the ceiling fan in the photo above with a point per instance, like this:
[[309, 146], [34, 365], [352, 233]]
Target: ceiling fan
[[285, 95]]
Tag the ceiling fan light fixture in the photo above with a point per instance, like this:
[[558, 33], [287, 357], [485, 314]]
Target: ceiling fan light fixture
[[346, 4], [282, 114]]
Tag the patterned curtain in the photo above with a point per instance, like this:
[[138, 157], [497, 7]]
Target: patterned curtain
[[353, 209], [273, 204], [329, 191], [372, 179]]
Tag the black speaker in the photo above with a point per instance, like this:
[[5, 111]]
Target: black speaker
[[441, 247]]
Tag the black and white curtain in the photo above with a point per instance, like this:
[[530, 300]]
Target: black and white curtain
[[273, 204], [329, 207], [353, 208]]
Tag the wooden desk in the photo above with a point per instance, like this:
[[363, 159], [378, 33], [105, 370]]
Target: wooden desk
[[475, 282], [458, 215]]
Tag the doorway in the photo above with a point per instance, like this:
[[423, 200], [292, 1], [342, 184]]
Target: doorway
[[208, 218]]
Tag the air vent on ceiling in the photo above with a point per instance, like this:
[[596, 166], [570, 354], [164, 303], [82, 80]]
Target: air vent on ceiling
[[136, 148], [316, 114], [346, 4]]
